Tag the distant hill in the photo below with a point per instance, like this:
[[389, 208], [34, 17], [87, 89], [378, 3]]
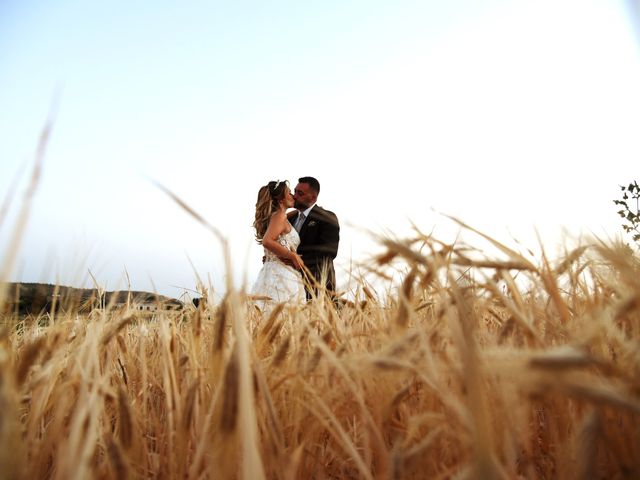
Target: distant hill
[[36, 298]]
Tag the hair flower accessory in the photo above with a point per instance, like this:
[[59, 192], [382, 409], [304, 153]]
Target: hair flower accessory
[[274, 187]]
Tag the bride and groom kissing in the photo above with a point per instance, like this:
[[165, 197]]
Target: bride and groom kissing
[[299, 245]]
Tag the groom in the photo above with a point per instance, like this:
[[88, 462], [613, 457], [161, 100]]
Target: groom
[[319, 235]]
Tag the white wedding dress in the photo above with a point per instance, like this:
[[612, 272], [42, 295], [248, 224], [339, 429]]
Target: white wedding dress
[[276, 280]]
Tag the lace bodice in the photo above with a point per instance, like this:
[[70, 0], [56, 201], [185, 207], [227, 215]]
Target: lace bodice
[[289, 240]]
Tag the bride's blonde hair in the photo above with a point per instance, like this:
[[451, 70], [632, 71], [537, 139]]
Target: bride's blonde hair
[[269, 197]]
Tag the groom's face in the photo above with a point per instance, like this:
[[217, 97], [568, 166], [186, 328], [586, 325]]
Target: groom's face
[[304, 196]]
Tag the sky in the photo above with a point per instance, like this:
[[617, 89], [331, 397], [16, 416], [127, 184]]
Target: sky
[[521, 118]]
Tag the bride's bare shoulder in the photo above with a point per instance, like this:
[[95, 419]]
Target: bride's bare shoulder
[[280, 221], [279, 216]]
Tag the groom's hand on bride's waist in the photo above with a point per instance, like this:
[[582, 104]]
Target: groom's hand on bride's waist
[[287, 261]]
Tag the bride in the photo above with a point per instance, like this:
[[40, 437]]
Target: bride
[[279, 279]]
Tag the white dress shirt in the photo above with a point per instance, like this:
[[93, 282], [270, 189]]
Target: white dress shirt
[[306, 215]]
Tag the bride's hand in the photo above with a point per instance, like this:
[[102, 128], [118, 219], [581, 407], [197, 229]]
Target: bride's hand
[[296, 261]]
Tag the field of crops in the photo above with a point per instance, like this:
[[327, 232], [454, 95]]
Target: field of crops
[[473, 367]]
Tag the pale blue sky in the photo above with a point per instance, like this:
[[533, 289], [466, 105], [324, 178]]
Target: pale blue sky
[[512, 115]]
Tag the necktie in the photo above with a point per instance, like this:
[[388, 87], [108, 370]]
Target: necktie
[[299, 222]]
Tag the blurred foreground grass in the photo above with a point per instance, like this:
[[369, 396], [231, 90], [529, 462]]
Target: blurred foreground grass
[[475, 367]]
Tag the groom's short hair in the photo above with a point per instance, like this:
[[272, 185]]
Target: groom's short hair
[[313, 183]]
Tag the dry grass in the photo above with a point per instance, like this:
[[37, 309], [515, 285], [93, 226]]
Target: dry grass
[[475, 368]]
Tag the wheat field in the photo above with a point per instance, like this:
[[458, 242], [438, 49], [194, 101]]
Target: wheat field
[[474, 367]]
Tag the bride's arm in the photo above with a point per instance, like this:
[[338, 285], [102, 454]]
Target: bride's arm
[[277, 226]]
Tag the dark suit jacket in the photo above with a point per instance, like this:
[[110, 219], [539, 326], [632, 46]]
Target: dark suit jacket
[[319, 238]]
